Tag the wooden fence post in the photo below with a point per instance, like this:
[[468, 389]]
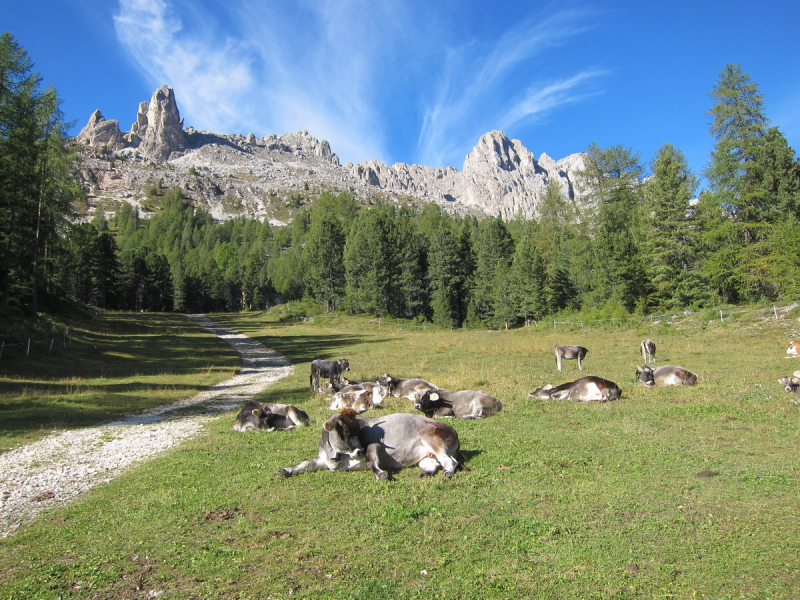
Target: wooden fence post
[[27, 353], [775, 310], [721, 317]]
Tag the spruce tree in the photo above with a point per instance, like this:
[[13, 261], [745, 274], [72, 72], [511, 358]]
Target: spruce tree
[[323, 259], [367, 263], [673, 244], [494, 244], [528, 280]]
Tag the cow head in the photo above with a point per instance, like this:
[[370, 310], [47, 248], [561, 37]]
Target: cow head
[[790, 384], [379, 392], [385, 380], [542, 393], [342, 430], [252, 417], [344, 365], [423, 399], [645, 375]]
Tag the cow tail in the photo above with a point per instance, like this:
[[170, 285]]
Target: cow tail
[[460, 460]]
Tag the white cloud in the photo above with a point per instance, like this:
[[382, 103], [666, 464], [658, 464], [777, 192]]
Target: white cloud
[[476, 92], [368, 77]]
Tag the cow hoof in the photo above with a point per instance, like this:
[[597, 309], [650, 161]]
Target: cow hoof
[[284, 473], [382, 476]]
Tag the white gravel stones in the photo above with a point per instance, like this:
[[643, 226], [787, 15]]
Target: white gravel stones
[[55, 469]]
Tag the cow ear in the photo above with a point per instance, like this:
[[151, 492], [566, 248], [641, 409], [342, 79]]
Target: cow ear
[[549, 386], [329, 424], [256, 413], [433, 396]]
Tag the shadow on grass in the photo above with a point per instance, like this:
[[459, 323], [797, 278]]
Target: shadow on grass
[[305, 348]]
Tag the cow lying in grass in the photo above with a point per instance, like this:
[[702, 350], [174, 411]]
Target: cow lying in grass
[[359, 397], [791, 384], [269, 417], [585, 389], [405, 388], [666, 375], [397, 441], [464, 404]]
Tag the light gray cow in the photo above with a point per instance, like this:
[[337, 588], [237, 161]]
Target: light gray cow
[[464, 404], [585, 389], [269, 417], [570, 353], [405, 388], [649, 351], [666, 375], [397, 441]]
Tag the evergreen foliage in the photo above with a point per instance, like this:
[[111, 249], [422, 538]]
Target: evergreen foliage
[[637, 244]]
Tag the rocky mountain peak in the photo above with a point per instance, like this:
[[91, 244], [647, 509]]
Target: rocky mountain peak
[[157, 131], [235, 174]]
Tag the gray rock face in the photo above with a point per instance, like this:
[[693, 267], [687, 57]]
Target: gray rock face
[[231, 175], [99, 132], [157, 132]]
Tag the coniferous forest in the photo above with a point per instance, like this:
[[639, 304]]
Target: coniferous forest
[[644, 238]]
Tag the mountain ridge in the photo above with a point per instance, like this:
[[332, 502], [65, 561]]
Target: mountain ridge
[[269, 177]]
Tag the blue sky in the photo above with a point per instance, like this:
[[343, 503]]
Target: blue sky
[[420, 81]]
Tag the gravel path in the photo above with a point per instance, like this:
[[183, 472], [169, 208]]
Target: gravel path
[[55, 469]]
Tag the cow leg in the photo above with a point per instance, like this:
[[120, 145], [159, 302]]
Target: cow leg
[[580, 366], [445, 413], [429, 465], [372, 455], [308, 466]]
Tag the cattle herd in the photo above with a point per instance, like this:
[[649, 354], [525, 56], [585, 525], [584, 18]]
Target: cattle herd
[[351, 442]]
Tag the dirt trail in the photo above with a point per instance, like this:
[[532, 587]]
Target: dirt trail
[[52, 471]]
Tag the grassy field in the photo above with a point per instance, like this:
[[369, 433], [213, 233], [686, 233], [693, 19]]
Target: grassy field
[[102, 367], [667, 492]]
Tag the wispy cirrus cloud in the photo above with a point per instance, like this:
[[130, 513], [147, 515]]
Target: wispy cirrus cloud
[[387, 80], [499, 87]]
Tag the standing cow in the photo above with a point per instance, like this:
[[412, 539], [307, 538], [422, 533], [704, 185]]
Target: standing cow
[[666, 375], [269, 417], [353, 443], [585, 389], [649, 351], [331, 369], [570, 353]]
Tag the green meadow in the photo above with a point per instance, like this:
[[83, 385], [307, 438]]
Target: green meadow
[[664, 493]]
